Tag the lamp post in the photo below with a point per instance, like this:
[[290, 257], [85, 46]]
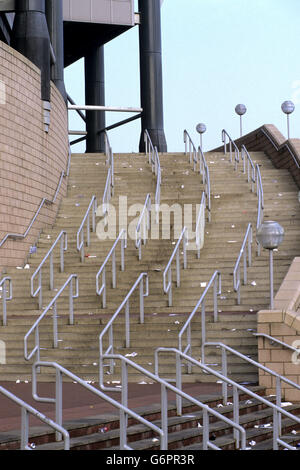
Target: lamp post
[[201, 129], [270, 235], [288, 108], [241, 109]]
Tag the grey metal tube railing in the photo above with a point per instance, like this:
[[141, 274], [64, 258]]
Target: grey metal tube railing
[[200, 226], [167, 275], [15, 236], [261, 204], [29, 410], [231, 144], [277, 409], [165, 386], [204, 171], [81, 242], [245, 249], [124, 410], [154, 161], [143, 226], [108, 329], [279, 378], [5, 298], [190, 149], [52, 307], [63, 240], [277, 341], [101, 290], [250, 175], [214, 282]]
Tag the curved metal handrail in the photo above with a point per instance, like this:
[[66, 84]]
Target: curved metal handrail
[[143, 225], [240, 433], [125, 304], [168, 270], [53, 308], [27, 409], [193, 155], [5, 299], [277, 409], [63, 239], [247, 243], [215, 281], [231, 143], [101, 291], [92, 209], [15, 236]]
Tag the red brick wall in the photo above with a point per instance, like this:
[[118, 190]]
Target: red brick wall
[[31, 160]]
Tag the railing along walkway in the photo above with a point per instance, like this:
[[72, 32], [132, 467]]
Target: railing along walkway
[[5, 298], [278, 411]]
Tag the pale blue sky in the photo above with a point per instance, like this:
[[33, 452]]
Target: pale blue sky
[[216, 54]]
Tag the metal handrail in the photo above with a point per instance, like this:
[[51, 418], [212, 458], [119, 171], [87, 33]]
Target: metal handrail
[[154, 161], [231, 144], [204, 171], [275, 340], [101, 290], [26, 410], [124, 410], [150, 151], [91, 210], [52, 307], [63, 239], [246, 248], [167, 286], [279, 378], [15, 236], [158, 186], [215, 281], [261, 204], [200, 226], [3, 284], [143, 277], [110, 183], [246, 157], [236, 387], [190, 148], [165, 386], [143, 226]]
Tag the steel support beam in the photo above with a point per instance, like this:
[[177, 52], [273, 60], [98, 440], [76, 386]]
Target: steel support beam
[[151, 74]]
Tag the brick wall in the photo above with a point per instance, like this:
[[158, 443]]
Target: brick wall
[[31, 160], [282, 323]]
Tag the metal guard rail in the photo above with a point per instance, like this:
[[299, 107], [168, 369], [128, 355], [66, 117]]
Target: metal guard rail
[[143, 225], [158, 185], [124, 410], [165, 385], [200, 226], [279, 378], [63, 239], [246, 157], [5, 299], [167, 286], [231, 143], [277, 410], [204, 171], [193, 155], [247, 243], [15, 236], [109, 327], [101, 291], [26, 410], [261, 204], [52, 307], [150, 151], [92, 209], [215, 281], [277, 341]]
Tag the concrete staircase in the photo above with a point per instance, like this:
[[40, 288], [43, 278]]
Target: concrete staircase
[[233, 207]]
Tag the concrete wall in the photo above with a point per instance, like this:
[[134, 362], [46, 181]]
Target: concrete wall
[[31, 160], [118, 12]]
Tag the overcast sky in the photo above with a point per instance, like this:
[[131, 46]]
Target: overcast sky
[[216, 54]]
